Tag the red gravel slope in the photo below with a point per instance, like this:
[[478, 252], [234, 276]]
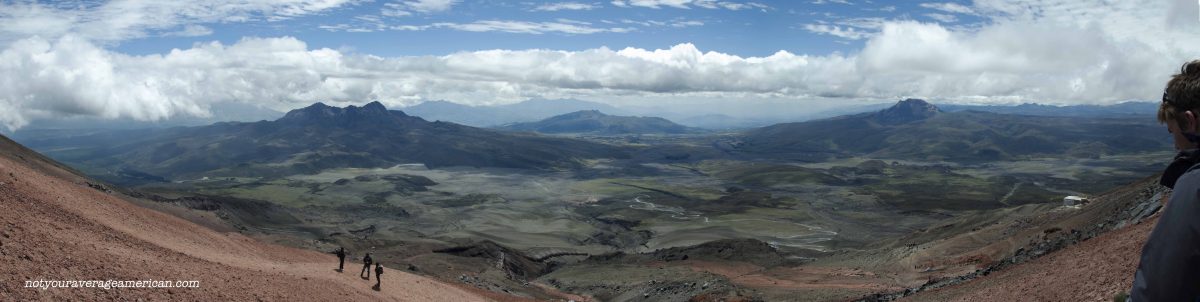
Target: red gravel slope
[[54, 227], [1094, 270]]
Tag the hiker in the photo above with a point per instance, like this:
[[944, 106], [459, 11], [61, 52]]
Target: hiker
[[1170, 264], [341, 253], [366, 271], [378, 275]]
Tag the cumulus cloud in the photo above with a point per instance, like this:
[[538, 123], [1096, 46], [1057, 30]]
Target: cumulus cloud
[[1043, 62]]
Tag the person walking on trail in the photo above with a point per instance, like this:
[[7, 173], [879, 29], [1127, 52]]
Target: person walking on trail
[[378, 275], [341, 253], [1170, 264], [366, 271]]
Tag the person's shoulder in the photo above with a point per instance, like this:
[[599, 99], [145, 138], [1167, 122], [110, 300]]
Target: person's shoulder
[[1189, 179]]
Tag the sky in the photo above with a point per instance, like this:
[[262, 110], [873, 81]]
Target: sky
[[159, 60]]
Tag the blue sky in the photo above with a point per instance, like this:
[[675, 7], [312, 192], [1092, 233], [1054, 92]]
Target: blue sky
[[156, 60]]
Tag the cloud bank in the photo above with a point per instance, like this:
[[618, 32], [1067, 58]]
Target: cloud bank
[[1049, 53]]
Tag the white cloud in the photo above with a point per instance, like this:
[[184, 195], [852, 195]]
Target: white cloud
[[655, 4], [1009, 61], [677, 23], [871, 23], [837, 31], [550, 7], [394, 10], [430, 6], [949, 7], [407, 7], [565, 26], [944, 18], [123, 20]]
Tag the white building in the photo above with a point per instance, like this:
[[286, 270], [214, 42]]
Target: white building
[[1074, 201]]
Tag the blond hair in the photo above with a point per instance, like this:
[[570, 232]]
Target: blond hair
[[1182, 94]]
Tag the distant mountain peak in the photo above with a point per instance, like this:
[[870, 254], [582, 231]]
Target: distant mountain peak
[[374, 106], [321, 112], [907, 110], [584, 113]]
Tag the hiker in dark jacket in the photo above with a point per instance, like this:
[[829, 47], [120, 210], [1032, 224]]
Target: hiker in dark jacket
[[1170, 263], [366, 271], [341, 253], [378, 275]]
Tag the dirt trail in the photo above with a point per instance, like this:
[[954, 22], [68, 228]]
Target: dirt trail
[[54, 227]]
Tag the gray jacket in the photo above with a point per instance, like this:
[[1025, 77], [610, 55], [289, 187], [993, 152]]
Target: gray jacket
[[1170, 263]]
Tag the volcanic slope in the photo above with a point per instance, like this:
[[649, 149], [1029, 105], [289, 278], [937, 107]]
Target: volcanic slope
[[59, 225]]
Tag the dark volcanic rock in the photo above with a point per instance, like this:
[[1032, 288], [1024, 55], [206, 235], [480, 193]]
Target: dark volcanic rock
[[516, 265], [744, 250]]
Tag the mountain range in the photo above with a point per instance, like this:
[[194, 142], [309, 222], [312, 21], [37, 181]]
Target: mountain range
[[1125, 109], [312, 139], [489, 116], [915, 129], [596, 122]]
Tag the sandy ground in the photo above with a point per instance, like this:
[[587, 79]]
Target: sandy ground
[[1093, 270], [54, 227]]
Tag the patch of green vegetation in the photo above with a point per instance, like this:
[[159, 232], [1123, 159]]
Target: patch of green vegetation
[[466, 200], [934, 187]]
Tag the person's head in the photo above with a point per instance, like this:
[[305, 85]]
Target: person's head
[[377, 265], [1180, 107]]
